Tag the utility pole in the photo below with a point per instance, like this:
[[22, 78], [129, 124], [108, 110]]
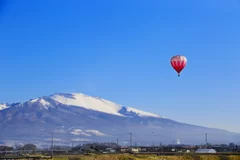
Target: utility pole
[[52, 145], [131, 140], [117, 141], [206, 139], [161, 148]]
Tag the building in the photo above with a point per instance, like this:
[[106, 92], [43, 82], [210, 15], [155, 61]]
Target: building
[[134, 150], [111, 150], [205, 151], [124, 149], [143, 149]]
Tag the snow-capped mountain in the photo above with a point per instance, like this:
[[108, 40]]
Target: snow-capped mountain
[[97, 104], [78, 117], [3, 106]]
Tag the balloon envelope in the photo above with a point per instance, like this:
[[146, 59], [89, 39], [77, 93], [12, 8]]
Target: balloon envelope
[[178, 63]]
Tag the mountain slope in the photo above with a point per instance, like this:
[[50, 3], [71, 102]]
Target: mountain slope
[[97, 104], [78, 117]]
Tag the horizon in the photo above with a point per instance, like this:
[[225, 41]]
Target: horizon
[[121, 51]]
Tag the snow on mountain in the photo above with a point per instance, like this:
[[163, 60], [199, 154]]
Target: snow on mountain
[[34, 100], [87, 133], [97, 104], [41, 101], [3, 106], [79, 132], [96, 132], [81, 100], [142, 113]]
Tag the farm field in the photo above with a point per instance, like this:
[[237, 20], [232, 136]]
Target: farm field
[[146, 157]]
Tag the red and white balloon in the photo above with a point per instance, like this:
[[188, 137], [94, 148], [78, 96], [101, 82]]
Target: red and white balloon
[[178, 63]]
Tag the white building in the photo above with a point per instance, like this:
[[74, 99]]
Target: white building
[[134, 150], [205, 151]]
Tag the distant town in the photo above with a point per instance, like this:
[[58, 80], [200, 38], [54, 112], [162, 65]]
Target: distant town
[[111, 148]]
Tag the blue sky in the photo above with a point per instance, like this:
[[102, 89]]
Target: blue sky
[[121, 50]]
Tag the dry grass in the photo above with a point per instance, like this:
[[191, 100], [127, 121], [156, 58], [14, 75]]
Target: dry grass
[[234, 157], [146, 157]]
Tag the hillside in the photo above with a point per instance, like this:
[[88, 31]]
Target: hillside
[[78, 117]]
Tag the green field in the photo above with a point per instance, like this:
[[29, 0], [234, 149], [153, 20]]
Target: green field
[[146, 157]]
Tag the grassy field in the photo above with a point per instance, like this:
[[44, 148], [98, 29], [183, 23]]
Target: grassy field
[[146, 157]]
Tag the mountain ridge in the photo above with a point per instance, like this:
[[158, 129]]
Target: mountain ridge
[[77, 114], [59, 97]]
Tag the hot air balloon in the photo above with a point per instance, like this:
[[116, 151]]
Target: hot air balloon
[[178, 63]]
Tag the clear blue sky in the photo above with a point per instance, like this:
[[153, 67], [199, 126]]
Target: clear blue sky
[[121, 50]]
